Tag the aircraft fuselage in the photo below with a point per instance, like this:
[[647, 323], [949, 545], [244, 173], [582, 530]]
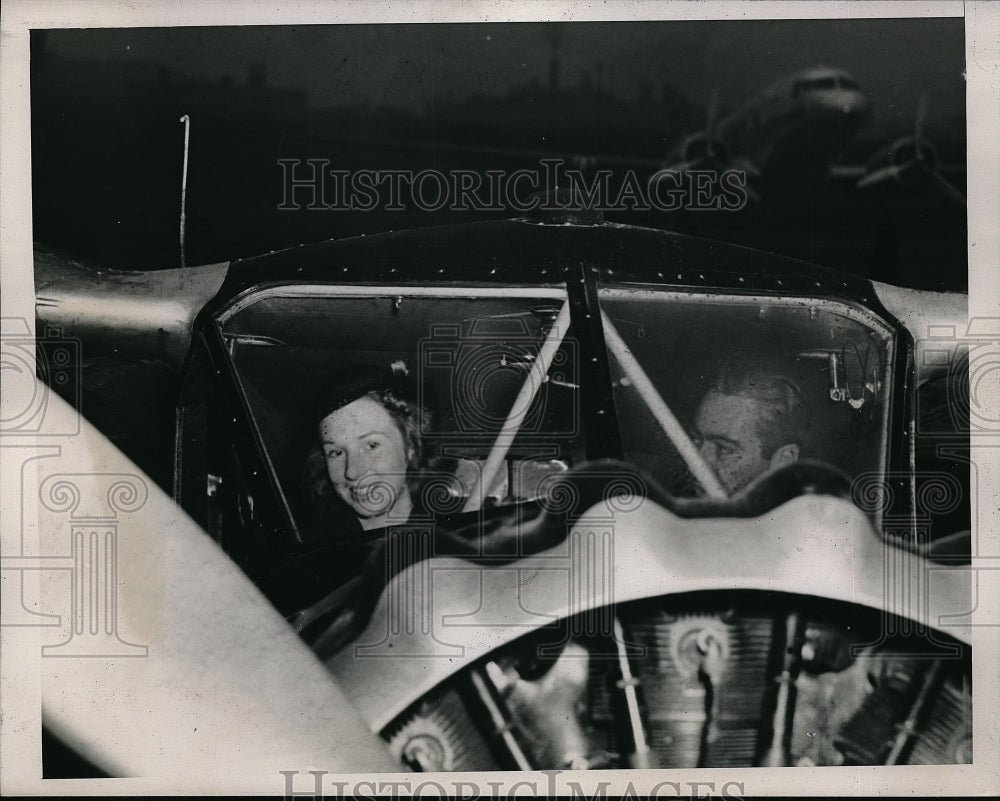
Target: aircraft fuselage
[[799, 122]]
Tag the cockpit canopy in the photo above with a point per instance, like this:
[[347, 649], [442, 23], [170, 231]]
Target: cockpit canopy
[[472, 352], [823, 82]]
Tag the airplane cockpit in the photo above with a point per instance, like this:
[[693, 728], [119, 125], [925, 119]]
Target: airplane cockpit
[[506, 377], [824, 82]]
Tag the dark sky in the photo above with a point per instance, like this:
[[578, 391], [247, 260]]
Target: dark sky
[[107, 149], [414, 65]]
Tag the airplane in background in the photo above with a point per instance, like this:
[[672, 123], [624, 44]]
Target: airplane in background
[[815, 111], [798, 126], [911, 161], [805, 119], [79, 208]]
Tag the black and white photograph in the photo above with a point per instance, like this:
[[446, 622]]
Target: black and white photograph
[[501, 401]]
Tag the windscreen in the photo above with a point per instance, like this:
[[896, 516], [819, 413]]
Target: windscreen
[[710, 391], [495, 375], [745, 384]]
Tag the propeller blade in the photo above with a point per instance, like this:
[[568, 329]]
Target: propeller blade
[[880, 176], [948, 189], [749, 167]]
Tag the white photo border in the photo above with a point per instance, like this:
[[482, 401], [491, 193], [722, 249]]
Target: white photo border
[[20, 768]]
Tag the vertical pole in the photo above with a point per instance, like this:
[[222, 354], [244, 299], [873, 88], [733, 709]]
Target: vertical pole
[[780, 752], [184, 177], [537, 375], [637, 750]]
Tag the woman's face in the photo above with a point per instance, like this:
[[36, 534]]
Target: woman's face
[[366, 458]]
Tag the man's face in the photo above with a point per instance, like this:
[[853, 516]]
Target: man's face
[[727, 428]]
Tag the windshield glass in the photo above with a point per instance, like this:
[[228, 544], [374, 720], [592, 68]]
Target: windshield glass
[[711, 391], [494, 376], [745, 384]]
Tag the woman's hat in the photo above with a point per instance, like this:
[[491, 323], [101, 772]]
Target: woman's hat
[[352, 383]]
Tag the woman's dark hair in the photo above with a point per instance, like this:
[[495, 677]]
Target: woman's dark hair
[[393, 391]]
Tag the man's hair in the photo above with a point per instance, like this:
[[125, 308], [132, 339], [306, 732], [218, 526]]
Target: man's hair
[[785, 422]]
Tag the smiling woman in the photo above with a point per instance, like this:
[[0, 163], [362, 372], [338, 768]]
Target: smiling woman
[[372, 455], [360, 452]]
